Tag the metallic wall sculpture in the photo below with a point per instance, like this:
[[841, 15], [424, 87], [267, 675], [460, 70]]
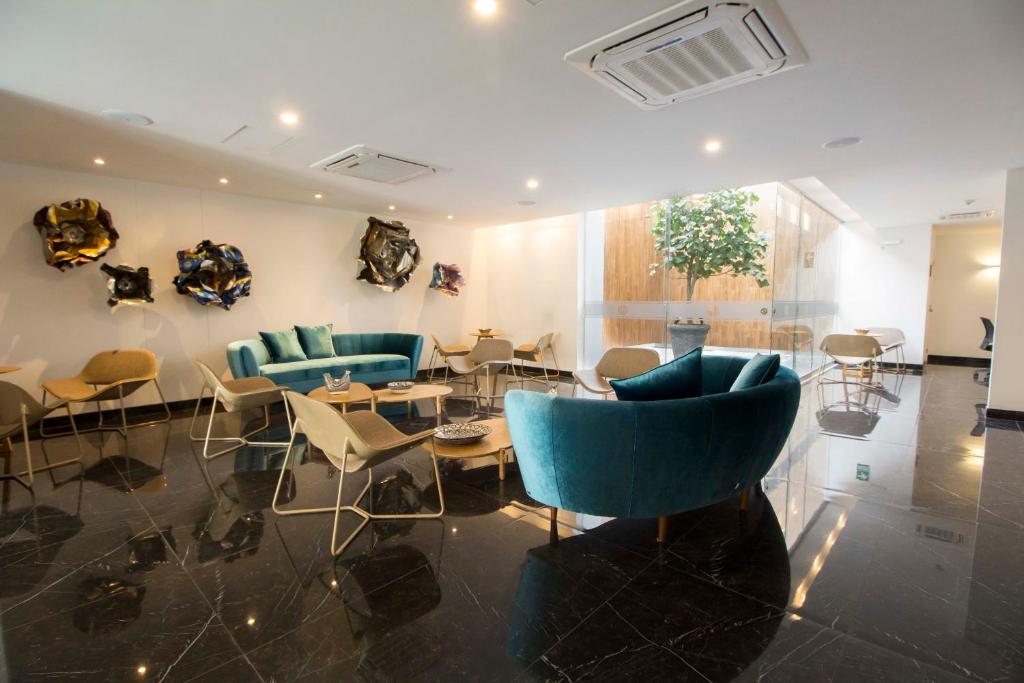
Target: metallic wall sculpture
[[128, 285], [75, 232], [387, 255], [447, 279], [213, 274]]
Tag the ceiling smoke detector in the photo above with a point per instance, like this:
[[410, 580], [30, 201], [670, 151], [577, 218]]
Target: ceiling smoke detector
[[369, 164], [691, 49]]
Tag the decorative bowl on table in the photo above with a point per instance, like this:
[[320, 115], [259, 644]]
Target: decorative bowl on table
[[484, 330], [400, 387], [861, 330], [457, 434]]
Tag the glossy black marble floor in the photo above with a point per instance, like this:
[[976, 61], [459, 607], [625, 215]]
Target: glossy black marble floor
[[888, 545]]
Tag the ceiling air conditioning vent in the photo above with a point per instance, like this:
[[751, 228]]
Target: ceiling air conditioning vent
[[369, 164], [691, 49], [967, 215]]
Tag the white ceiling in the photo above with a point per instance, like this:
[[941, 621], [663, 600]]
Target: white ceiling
[[933, 86]]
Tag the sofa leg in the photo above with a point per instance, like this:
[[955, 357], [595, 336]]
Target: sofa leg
[[662, 529], [745, 500]]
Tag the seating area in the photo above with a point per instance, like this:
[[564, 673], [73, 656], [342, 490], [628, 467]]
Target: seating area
[[505, 340]]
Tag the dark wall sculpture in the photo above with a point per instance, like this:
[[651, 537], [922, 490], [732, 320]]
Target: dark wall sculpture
[[447, 279], [213, 274], [387, 255], [128, 285], [75, 232]]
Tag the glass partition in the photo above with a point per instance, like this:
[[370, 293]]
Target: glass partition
[[638, 290]]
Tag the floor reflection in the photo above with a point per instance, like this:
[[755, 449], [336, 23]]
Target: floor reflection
[[887, 545]]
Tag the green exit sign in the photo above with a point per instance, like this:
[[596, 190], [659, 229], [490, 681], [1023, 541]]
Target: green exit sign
[[863, 472]]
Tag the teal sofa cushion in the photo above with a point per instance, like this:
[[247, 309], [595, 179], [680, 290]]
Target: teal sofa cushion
[[758, 370], [316, 341], [679, 378], [284, 346], [314, 369]]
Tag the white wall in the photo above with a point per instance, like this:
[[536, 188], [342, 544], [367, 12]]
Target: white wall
[[524, 282], [883, 281], [1006, 386], [965, 275], [302, 258]]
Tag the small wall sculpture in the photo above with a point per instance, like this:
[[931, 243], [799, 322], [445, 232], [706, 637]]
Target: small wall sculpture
[[213, 274], [75, 232], [447, 279], [128, 285], [387, 255]]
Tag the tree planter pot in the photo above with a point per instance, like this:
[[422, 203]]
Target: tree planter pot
[[687, 336]]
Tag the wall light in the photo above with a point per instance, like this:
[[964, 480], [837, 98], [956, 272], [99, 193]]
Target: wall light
[[485, 7]]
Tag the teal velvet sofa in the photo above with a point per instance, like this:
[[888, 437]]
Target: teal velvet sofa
[[652, 458], [372, 358]]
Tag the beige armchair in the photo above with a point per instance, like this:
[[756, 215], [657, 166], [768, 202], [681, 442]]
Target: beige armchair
[[537, 353], [443, 352], [616, 363], [109, 376], [856, 355], [891, 339], [358, 440], [18, 412], [487, 359], [234, 396]]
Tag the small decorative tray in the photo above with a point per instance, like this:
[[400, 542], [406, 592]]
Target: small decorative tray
[[484, 330], [461, 433], [400, 387]]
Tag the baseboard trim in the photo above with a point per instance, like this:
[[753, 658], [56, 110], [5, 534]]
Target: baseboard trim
[[960, 361], [911, 368], [1000, 414]]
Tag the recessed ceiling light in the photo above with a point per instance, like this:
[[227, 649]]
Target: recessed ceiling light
[[450, 217], [126, 117], [318, 196], [289, 118], [485, 7], [712, 146], [141, 669], [391, 207], [840, 143], [532, 184], [99, 161], [223, 181]]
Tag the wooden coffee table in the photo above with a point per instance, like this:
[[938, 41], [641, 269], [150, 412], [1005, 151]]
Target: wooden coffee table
[[496, 444], [357, 393], [419, 392]]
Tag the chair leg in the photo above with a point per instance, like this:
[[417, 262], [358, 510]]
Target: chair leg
[[431, 362], [662, 529]]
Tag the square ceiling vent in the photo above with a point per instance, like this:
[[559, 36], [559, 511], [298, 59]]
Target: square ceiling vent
[[369, 164]]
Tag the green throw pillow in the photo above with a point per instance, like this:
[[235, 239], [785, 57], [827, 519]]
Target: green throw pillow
[[757, 371], [316, 341], [284, 346], [680, 378]]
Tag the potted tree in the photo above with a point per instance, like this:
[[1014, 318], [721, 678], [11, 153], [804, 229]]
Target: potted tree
[[704, 235]]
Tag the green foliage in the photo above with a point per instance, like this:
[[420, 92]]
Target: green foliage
[[704, 235]]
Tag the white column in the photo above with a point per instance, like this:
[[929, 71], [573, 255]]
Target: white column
[[1006, 386]]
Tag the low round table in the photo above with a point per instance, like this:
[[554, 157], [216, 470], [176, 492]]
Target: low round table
[[4, 369], [357, 393], [419, 392], [496, 444], [487, 335]]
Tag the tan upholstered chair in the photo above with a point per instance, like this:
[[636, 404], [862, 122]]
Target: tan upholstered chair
[[487, 359], [856, 355], [109, 376], [443, 352], [891, 339], [537, 353], [234, 396], [355, 441], [616, 363], [18, 412]]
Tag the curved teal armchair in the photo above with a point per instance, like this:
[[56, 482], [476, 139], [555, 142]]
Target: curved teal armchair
[[652, 458]]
